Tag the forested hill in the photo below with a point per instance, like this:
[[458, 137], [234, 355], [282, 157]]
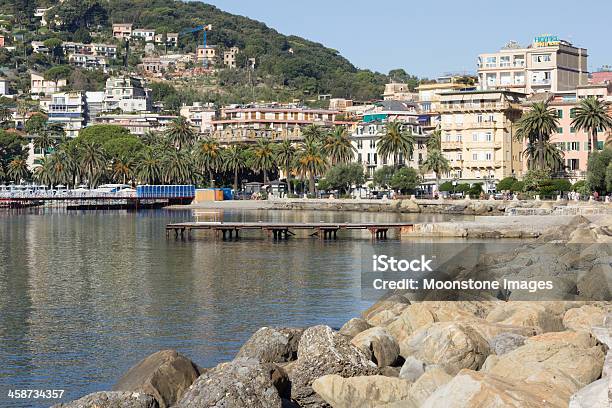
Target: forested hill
[[281, 60]]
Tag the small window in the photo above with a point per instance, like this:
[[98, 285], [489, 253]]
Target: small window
[[560, 113]]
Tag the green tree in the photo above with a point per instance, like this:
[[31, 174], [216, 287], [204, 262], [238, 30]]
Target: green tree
[[592, 116], [123, 169], [552, 156], [395, 142], [382, 177], [54, 45], [313, 133], [180, 133], [434, 142], [536, 125], [11, 147], [405, 180], [149, 167], [209, 157], [177, 167], [234, 159], [18, 170], [338, 147], [311, 162], [535, 179], [262, 157], [505, 184], [437, 163], [343, 176], [48, 137], [93, 162], [57, 72], [597, 168], [285, 153]]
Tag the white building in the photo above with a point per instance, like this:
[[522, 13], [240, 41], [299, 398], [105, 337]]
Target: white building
[[88, 61], [145, 34], [68, 109], [127, 93], [4, 87], [138, 123], [199, 115], [41, 86]]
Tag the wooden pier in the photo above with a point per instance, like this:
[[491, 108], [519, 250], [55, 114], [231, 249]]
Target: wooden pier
[[282, 230]]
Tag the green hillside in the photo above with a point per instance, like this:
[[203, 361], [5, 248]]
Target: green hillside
[[296, 65]]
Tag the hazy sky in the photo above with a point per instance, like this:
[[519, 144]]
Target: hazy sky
[[429, 38]]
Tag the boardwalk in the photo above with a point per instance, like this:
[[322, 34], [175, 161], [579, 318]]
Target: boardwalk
[[282, 230]]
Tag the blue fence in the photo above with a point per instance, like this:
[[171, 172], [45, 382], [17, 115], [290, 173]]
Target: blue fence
[[176, 191]]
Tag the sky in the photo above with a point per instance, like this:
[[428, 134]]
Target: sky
[[431, 38]]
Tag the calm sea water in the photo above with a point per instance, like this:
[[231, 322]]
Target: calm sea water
[[85, 295]]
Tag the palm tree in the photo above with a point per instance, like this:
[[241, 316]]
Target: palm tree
[[285, 159], [592, 115], [435, 141], [338, 147], [2, 172], [180, 133], [553, 156], [122, 169], [176, 167], [69, 154], [234, 160], [313, 132], [18, 170], [311, 162], [60, 170], [47, 137], [394, 142], [93, 162], [437, 163], [208, 154], [42, 173], [262, 157], [148, 169], [536, 125]]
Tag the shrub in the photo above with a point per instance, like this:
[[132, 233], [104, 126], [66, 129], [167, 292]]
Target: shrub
[[517, 186], [505, 184], [446, 186]]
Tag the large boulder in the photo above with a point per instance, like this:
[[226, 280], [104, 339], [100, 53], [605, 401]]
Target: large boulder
[[453, 346], [561, 365], [596, 284], [354, 326], [363, 391], [528, 314], [115, 399], [382, 349], [239, 383], [584, 318], [165, 375], [409, 206], [594, 395], [578, 339], [472, 389], [506, 342], [412, 369], [272, 345], [427, 384], [322, 351], [386, 310]]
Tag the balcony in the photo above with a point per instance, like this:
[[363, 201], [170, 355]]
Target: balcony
[[451, 145], [484, 145], [483, 164]]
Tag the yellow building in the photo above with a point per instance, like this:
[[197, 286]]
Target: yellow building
[[478, 135]]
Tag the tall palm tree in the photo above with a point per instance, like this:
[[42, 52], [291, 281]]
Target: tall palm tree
[[60, 171], [313, 132], [208, 154], [437, 163], [395, 141], [592, 115], [42, 173], [93, 162], [234, 160], [69, 154], [180, 133], [435, 141], [148, 168], [553, 156], [536, 125], [338, 147], [47, 137], [311, 162], [285, 159], [123, 169], [262, 157], [177, 167], [18, 170]]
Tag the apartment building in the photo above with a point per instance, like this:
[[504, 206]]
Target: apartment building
[[144, 34], [4, 87], [68, 109], [229, 57], [39, 86], [398, 91], [478, 135], [547, 64], [122, 31], [137, 123], [199, 115], [171, 39], [390, 110], [365, 139], [272, 116], [88, 61], [573, 142], [206, 55], [127, 93]]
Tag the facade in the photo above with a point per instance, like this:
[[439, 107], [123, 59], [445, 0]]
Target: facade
[[40, 86], [151, 65], [478, 135], [229, 57], [95, 104], [273, 117], [127, 93], [546, 65], [4, 87], [171, 39], [144, 34], [208, 54], [365, 139], [122, 31], [397, 91], [69, 110], [390, 110], [200, 115], [139, 123], [88, 61]]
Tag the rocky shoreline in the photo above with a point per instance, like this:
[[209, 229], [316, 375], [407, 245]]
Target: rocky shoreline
[[414, 352]]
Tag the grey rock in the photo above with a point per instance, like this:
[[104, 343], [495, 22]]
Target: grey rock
[[506, 342], [412, 369], [322, 351], [112, 399], [239, 383], [272, 345], [165, 375], [594, 395], [354, 326]]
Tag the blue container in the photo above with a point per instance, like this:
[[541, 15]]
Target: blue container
[[228, 194], [165, 191]]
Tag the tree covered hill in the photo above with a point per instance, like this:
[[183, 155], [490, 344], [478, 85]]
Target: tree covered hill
[[282, 61]]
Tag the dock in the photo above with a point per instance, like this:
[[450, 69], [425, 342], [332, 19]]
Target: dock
[[282, 230]]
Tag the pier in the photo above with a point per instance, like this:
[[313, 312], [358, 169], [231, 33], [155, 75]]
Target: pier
[[282, 230]]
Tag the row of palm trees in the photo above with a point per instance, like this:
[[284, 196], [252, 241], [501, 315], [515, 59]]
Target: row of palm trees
[[592, 115]]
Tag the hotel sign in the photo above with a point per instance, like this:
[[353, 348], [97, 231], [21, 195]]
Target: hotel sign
[[546, 41]]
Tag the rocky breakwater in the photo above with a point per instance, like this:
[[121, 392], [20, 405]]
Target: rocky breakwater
[[403, 352]]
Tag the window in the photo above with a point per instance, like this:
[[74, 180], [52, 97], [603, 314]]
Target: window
[[369, 156], [600, 145], [488, 136], [474, 156], [491, 117], [488, 156], [575, 146], [541, 58], [459, 137], [491, 79], [505, 78], [358, 157], [519, 61], [360, 144], [573, 164], [474, 137], [479, 118], [491, 62], [519, 78], [560, 113], [447, 137], [559, 130], [504, 61], [540, 78], [375, 159], [572, 113], [572, 129]]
